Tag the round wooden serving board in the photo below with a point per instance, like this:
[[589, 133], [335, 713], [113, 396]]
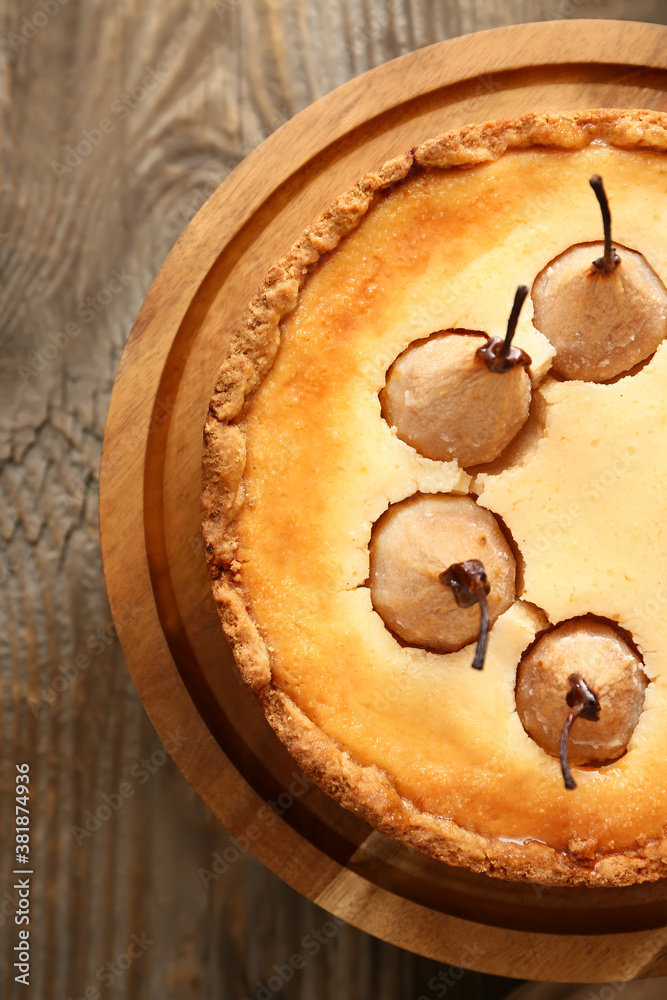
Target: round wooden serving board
[[150, 525]]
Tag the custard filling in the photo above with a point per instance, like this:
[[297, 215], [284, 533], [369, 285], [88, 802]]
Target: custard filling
[[584, 500]]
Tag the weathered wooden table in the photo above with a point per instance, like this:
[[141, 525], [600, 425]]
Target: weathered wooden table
[[119, 121]]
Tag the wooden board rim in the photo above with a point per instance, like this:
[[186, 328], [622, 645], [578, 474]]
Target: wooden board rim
[[132, 406]]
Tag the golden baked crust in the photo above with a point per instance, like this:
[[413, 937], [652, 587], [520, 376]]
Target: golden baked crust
[[366, 788]]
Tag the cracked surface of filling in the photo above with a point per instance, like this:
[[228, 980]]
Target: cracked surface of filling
[[585, 499]]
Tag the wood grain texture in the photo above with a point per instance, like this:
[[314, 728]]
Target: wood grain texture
[[185, 91]]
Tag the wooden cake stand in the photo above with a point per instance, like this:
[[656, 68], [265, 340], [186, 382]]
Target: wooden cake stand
[[149, 505]]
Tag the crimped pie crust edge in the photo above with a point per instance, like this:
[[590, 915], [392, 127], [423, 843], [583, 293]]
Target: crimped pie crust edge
[[366, 790]]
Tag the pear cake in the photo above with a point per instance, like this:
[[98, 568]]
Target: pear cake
[[359, 454]]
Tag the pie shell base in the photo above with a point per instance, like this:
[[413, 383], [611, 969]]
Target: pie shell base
[[367, 789]]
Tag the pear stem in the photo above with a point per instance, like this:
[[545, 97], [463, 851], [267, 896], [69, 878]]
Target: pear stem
[[470, 586], [498, 355], [519, 299], [582, 701], [570, 783], [610, 259], [483, 639]]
